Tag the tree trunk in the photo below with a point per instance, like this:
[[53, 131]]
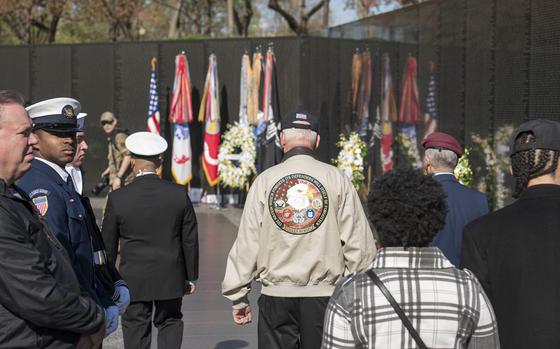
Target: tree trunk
[[242, 24], [326, 13], [174, 19], [230, 17], [292, 22], [209, 15], [301, 27], [53, 28]]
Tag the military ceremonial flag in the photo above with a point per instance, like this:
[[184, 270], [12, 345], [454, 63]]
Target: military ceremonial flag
[[430, 117], [210, 113], [388, 113], [410, 102], [180, 115], [356, 78], [181, 105], [254, 73], [244, 88], [153, 109], [181, 167], [269, 151], [268, 114], [364, 96], [410, 111]]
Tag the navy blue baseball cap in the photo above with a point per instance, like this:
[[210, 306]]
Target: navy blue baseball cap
[[302, 120], [55, 115]]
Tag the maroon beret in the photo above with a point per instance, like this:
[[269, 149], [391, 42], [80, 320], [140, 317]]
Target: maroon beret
[[442, 140]]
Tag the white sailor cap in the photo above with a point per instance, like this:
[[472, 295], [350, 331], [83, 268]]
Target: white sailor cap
[[80, 120], [55, 115], [145, 144]]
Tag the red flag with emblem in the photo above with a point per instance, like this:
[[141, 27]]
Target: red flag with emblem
[[210, 113]]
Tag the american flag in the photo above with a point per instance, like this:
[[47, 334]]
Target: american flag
[[430, 117], [153, 109]]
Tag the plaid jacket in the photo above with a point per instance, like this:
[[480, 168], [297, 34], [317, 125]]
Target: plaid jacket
[[446, 306]]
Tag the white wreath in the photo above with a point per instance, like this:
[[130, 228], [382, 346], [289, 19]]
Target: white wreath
[[238, 136]]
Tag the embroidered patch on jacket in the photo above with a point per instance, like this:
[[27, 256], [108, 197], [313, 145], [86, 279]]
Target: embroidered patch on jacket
[[39, 191], [42, 204], [298, 203]]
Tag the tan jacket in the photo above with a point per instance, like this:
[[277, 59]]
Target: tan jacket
[[115, 156], [302, 229]]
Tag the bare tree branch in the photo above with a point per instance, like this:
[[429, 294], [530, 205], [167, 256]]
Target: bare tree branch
[[242, 24], [292, 22], [315, 8]]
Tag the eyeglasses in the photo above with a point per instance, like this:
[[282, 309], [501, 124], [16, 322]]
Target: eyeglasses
[[105, 122]]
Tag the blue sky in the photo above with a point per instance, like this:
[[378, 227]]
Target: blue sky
[[340, 15]]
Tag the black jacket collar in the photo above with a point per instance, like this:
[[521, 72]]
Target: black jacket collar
[[12, 192], [3, 187], [146, 176], [540, 191], [299, 151]]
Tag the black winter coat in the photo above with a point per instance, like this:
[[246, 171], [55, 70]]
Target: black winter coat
[[515, 252], [40, 302]]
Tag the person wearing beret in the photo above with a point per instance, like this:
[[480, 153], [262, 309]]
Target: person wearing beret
[[107, 274], [514, 251], [41, 305], [464, 204], [155, 223], [52, 191]]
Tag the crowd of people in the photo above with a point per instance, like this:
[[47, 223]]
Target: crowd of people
[[424, 265]]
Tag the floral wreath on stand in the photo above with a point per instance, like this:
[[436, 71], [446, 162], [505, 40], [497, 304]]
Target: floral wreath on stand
[[351, 157], [238, 146]]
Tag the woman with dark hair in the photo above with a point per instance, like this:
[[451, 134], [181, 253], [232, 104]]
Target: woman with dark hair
[[411, 296]]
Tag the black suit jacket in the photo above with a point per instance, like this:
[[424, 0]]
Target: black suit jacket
[[156, 224], [515, 253]]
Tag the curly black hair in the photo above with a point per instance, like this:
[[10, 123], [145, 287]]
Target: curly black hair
[[407, 208], [529, 164]]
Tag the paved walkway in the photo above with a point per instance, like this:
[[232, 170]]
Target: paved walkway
[[207, 315]]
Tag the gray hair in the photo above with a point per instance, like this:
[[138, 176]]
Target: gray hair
[[9, 97], [299, 134], [441, 158]]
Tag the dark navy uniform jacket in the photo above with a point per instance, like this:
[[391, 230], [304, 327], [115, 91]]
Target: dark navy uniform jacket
[[59, 203], [155, 222], [464, 205]]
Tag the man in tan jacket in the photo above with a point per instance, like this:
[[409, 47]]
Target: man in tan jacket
[[302, 229]]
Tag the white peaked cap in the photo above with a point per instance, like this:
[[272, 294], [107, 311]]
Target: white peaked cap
[[81, 121], [145, 144], [56, 114]]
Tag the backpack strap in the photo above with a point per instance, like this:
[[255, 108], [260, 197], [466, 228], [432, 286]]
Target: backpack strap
[[397, 308]]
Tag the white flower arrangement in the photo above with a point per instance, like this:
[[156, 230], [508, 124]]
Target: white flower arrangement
[[238, 145], [496, 160], [463, 171], [351, 157], [488, 184]]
